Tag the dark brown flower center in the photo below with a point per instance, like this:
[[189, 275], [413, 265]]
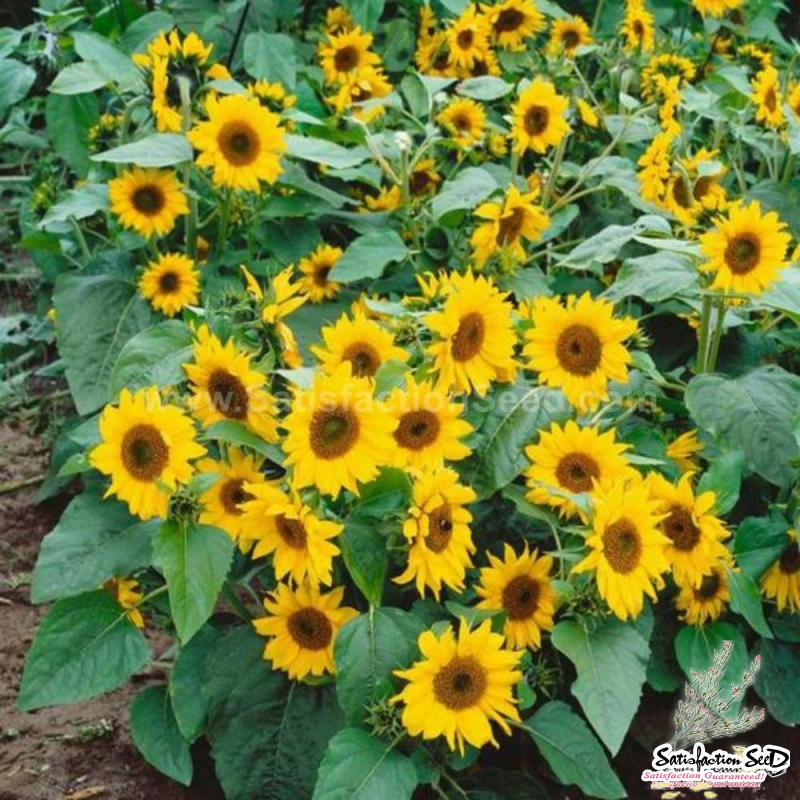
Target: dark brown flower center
[[149, 200], [364, 359], [440, 528], [743, 253], [320, 275], [232, 495], [144, 452], [465, 39], [228, 394], [521, 597], [333, 433], [680, 193], [468, 339], [770, 99], [169, 283], [239, 143], [638, 29], [508, 20], [575, 472], [420, 182], [680, 528], [310, 628], [790, 560], [702, 186], [346, 59], [461, 122], [461, 683], [510, 227], [536, 120], [622, 546], [579, 350], [292, 531], [570, 38], [417, 429], [708, 587]]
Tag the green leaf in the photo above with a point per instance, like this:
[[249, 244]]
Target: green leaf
[[320, 151], [606, 245], [270, 57], [776, 681], [368, 256], [388, 492], [194, 560], [366, 558], [233, 432], [572, 752], [156, 150], [365, 13], [654, 278], [694, 648], [755, 413], [357, 766], [186, 682], [94, 541], [68, 119], [99, 52], [80, 78], [267, 733], [154, 357], [470, 187], [367, 651], [484, 87], [516, 414], [724, 478], [611, 662], [746, 600], [155, 733], [17, 81], [96, 316], [758, 543], [85, 646], [79, 203]]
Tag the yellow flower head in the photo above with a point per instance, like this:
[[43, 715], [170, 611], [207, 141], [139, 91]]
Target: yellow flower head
[[638, 28], [345, 55], [128, 594], [539, 118], [315, 269], [767, 98], [465, 120], [683, 449], [716, 8], [171, 283], [567, 35], [460, 685], [147, 200], [707, 600], [146, 448], [781, 582], [302, 625], [511, 22], [468, 38]]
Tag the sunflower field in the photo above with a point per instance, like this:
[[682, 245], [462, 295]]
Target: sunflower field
[[434, 371]]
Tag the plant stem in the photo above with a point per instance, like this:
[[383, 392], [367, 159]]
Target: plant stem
[[716, 336], [238, 35], [551, 178], [13, 486], [190, 232], [87, 253], [702, 335]]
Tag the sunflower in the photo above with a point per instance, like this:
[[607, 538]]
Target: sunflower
[[586, 113], [423, 178], [429, 426], [627, 548], [665, 65], [514, 219], [224, 386], [695, 534], [222, 503], [683, 450], [476, 344], [781, 582], [754, 57], [539, 118], [241, 142], [638, 28], [437, 527], [361, 342], [578, 347], [147, 200], [315, 269], [567, 35], [459, 686], [128, 594], [337, 434], [716, 8], [387, 199], [468, 38], [369, 84], [690, 192], [432, 56], [513, 21], [655, 165], [465, 120], [338, 20], [520, 586], [171, 283], [574, 460], [746, 250], [302, 626], [146, 448], [284, 526], [767, 98], [707, 600], [345, 55], [793, 99]]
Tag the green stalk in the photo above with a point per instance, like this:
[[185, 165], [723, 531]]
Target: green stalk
[[716, 335], [87, 253], [551, 178], [702, 336], [190, 231]]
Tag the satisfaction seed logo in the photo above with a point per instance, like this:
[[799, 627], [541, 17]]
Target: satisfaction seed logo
[[702, 716]]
